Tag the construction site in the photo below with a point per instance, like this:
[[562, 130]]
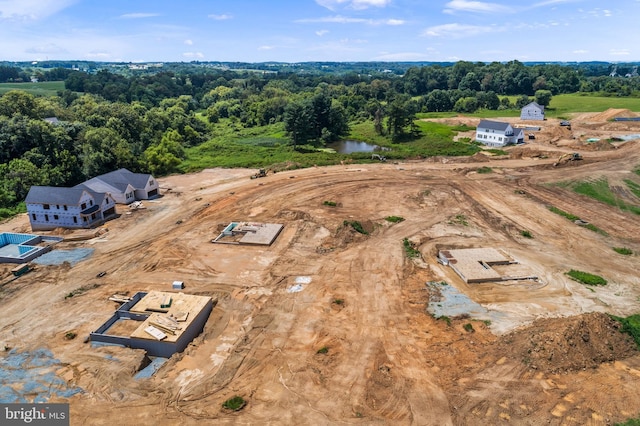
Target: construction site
[[325, 322]]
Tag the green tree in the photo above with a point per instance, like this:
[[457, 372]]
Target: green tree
[[166, 156], [543, 97]]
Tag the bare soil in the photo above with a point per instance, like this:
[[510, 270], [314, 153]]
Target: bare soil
[[551, 356]]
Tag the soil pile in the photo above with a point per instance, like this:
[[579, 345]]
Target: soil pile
[[569, 344], [612, 113]]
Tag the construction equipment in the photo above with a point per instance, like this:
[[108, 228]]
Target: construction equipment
[[565, 158], [261, 173]]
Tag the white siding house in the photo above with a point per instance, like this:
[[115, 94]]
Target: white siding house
[[532, 111], [51, 207], [125, 186], [498, 134]]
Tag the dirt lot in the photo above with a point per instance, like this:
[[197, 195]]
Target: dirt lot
[[548, 356]]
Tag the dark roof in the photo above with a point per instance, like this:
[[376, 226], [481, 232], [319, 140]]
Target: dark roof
[[123, 176], [55, 195], [493, 125], [94, 208]]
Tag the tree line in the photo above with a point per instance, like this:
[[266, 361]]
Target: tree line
[[145, 122]]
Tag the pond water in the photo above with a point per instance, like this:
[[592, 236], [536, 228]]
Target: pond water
[[347, 147]]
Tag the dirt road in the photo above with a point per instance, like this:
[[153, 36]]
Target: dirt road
[[329, 326]]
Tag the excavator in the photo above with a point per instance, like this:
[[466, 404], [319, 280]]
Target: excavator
[[261, 173], [565, 158]]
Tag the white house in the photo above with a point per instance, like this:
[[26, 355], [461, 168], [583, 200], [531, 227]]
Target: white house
[[532, 111], [51, 207], [124, 185], [497, 134]]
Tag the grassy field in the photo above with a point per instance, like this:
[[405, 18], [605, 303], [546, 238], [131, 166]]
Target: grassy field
[[268, 147], [45, 88], [565, 104]]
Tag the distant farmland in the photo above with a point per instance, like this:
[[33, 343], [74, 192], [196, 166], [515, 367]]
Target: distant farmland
[[45, 88]]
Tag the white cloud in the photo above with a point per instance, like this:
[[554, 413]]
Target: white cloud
[[580, 51], [339, 19], [352, 4], [475, 7], [188, 42], [266, 47], [138, 15], [31, 10], [458, 30], [198, 55], [320, 33], [619, 52], [222, 17]]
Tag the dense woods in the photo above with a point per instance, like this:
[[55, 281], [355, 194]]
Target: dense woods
[[147, 119]]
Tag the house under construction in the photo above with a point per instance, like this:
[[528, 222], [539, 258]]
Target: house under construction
[[477, 265], [162, 323]]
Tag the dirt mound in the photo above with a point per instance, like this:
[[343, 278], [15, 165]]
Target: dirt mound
[[570, 344], [526, 152], [612, 113], [601, 145]]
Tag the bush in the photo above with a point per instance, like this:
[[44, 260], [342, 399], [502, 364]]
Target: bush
[[484, 170], [468, 327], [236, 403], [330, 203], [623, 250], [394, 219], [631, 326], [355, 225], [409, 249], [323, 350], [526, 234], [586, 278]]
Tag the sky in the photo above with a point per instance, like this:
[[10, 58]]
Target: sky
[[319, 30]]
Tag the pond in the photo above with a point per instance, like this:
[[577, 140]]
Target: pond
[[348, 147]]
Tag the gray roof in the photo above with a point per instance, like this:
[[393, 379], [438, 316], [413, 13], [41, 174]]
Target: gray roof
[[55, 195], [121, 177], [536, 105], [493, 125]]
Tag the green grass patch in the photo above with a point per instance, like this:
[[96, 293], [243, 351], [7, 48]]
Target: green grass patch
[[323, 350], [357, 226], [623, 250], [445, 319], [459, 219], [236, 403], [599, 190], [468, 327], [573, 218], [630, 422], [484, 170], [394, 219], [561, 105], [526, 233], [329, 203], [45, 88], [338, 302], [633, 187], [631, 326], [409, 249], [586, 278]]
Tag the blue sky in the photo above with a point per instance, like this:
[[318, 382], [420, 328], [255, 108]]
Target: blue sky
[[319, 30]]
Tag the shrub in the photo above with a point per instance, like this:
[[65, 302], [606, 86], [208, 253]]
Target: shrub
[[526, 234], [330, 203], [355, 225], [586, 278], [323, 350], [338, 301], [623, 250], [468, 327], [236, 403], [394, 219], [409, 249], [484, 170], [445, 319]]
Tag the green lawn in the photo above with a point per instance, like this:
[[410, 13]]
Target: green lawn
[[573, 103], [45, 88]]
